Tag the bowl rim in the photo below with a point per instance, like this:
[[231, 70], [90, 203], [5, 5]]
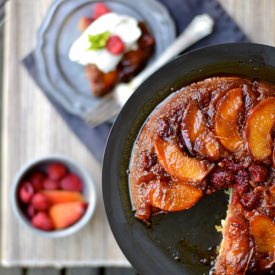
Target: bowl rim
[[84, 175]]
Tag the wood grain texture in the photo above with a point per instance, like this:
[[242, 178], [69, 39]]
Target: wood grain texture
[[11, 271], [32, 128], [43, 271], [83, 271]]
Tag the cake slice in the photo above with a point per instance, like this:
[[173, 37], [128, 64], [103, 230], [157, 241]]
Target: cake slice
[[248, 245]]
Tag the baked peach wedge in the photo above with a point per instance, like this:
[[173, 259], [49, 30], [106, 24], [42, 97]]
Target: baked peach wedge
[[196, 133], [259, 126], [177, 164], [226, 120], [263, 231], [174, 197]]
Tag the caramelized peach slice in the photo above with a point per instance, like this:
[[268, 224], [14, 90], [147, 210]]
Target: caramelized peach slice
[[258, 129], [263, 231], [177, 164], [196, 133], [174, 198], [226, 120]]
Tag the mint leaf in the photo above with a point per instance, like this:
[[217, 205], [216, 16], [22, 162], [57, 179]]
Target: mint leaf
[[98, 41]]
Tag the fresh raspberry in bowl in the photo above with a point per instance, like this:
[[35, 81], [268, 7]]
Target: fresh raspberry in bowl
[[53, 196]]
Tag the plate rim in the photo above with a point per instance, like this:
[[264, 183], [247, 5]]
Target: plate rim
[[53, 90]]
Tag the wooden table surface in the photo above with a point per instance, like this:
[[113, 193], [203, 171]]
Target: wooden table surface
[[32, 128]]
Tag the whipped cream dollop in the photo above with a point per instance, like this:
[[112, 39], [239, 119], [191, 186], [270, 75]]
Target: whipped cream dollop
[[123, 26]]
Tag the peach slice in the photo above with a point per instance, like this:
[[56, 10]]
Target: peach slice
[[177, 164], [258, 129], [263, 230], [196, 133], [226, 120], [174, 198]]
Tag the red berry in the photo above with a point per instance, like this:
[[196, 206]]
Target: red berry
[[50, 184], [115, 45], [100, 9], [37, 179], [42, 221], [40, 202], [26, 192], [71, 183], [31, 211], [84, 23], [56, 171]]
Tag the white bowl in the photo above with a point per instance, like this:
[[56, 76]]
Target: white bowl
[[89, 193]]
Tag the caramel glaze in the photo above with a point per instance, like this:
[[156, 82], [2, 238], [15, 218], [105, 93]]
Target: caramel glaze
[[153, 181]]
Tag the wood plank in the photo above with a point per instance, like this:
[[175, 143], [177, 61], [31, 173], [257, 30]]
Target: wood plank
[[33, 128], [119, 271], [83, 271], [43, 271], [256, 18], [10, 271]]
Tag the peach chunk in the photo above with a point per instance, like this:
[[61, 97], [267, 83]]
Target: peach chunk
[[174, 198], [226, 120], [263, 231], [258, 129], [177, 164], [196, 133]]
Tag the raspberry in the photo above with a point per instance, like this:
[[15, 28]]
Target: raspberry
[[100, 9], [40, 202], [42, 221], [84, 23], [222, 179], [26, 192], [251, 200], [31, 211], [115, 45], [242, 182], [71, 183], [50, 184], [56, 171], [258, 172], [37, 178]]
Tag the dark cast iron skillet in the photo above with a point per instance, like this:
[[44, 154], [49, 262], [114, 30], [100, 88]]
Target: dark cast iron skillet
[[176, 243]]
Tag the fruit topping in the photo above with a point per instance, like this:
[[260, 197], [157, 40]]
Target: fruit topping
[[71, 182], [56, 171], [40, 202], [226, 120], [177, 164], [99, 10], [115, 45], [50, 184], [31, 211], [221, 179], [60, 196], [258, 129], [263, 230], [196, 133], [174, 198], [36, 179], [42, 221], [84, 23], [66, 214], [26, 192], [259, 172], [42, 192]]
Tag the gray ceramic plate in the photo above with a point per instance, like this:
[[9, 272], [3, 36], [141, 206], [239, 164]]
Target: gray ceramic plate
[[66, 80]]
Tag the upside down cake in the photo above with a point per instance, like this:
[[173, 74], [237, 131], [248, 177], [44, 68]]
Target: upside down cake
[[215, 134]]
